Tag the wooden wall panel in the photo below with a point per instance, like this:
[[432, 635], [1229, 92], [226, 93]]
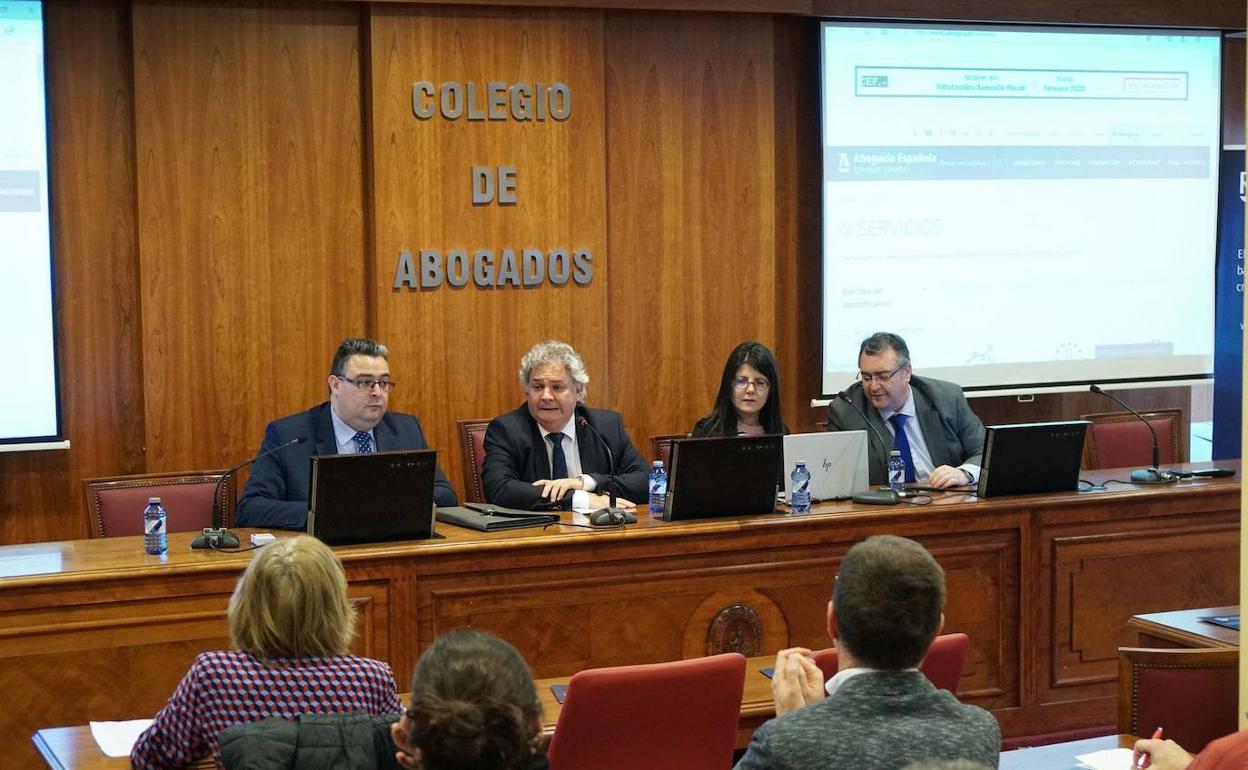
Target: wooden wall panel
[[251, 218], [456, 351], [690, 141], [95, 254]]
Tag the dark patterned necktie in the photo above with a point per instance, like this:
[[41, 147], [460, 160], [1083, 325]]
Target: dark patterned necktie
[[902, 444], [558, 461]]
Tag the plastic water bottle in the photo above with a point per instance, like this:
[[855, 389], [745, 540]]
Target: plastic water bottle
[[896, 471], [799, 501], [658, 487], [155, 538]]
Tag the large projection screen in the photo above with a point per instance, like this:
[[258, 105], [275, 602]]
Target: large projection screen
[[29, 399], [1028, 207]]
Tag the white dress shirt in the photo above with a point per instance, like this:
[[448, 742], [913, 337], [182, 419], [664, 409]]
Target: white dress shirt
[[344, 435], [572, 454]]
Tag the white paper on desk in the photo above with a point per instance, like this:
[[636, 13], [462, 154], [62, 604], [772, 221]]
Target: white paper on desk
[[1109, 759], [116, 739]]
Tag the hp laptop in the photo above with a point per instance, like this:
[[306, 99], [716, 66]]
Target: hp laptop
[[1031, 458], [734, 476], [837, 462], [372, 498]]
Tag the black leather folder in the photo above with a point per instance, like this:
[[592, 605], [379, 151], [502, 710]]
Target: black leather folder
[[492, 518]]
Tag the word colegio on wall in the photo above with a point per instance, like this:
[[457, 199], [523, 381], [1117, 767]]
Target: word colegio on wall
[[487, 268]]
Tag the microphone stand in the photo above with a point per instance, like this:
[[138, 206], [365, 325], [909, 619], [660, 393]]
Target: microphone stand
[[612, 515], [217, 536], [1153, 475], [884, 495]]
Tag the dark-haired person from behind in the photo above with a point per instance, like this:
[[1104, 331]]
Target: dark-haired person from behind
[[748, 402], [474, 707]]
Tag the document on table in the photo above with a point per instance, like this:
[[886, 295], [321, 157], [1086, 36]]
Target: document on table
[[116, 739], [1109, 759]]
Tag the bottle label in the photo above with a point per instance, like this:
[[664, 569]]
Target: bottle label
[[154, 525]]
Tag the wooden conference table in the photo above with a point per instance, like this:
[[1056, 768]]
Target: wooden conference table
[[1043, 584], [1184, 628]]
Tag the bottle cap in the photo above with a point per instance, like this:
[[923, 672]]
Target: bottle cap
[[799, 462], [895, 453], [657, 464], [151, 500]]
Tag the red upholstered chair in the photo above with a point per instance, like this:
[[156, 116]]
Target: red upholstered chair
[[115, 504], [1192, 693], [661, 447], [689, 709], [472, 444], [1119, 440], [942, 665]]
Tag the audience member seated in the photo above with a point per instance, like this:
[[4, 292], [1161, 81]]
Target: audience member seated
[[291, 623], [473, 707], [878, 712], [743, 404], [1229, 752], [544, 454]]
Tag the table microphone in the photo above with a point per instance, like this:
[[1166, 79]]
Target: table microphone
[[1153, 475], [217, 536], [885, 496], [611, 516]]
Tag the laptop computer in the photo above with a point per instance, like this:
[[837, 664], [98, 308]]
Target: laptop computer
[[1031, 458], [372, 498], [732, 476], [837, 462]]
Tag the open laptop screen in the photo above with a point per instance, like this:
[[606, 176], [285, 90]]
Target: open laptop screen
[[372, 498], [733, 476]]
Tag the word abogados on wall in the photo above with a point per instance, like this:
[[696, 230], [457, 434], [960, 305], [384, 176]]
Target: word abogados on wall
[[525, 265]]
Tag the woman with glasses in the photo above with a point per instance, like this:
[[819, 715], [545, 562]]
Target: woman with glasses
[[474, 707], [748, 402], [291, 623]]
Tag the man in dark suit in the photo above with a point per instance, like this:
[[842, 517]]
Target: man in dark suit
[[545, 453], [941, 440], [354, 420], [879, 712]]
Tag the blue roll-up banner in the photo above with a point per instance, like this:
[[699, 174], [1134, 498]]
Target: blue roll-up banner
[[1228, 356]]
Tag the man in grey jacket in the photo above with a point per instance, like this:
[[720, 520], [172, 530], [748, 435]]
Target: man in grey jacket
[[929, 421], [878, 712]]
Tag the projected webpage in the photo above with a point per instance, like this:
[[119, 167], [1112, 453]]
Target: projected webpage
[[1023, 206], [28, 396]]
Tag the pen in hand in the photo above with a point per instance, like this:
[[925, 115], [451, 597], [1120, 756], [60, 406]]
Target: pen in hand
[[1144, 760]]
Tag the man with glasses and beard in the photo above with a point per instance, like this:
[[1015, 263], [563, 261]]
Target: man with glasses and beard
[[353, 421], [929, 421]]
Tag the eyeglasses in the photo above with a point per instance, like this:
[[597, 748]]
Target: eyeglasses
[[368, 384], [867, 377], [741, 383], [555, 388]]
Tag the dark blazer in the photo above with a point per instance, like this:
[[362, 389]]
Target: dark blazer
[[952, 432], [881, 720], [515, 457], [276, 494]]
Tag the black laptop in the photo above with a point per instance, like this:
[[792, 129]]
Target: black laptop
[[734, 476], [372, 498], [1030, 458]]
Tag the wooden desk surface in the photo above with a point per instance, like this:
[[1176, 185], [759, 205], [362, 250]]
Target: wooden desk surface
[[1035, 581], [1061, 756], [73, 748], [1183, 628]]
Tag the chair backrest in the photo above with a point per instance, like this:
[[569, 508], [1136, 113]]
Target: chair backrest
[[690, 709], [472, 445], [661, 447], [942, 664], [1119, 440], [115, 504], [1192, 693]]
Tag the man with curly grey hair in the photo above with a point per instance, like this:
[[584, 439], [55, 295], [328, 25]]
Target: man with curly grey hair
[[544, 453]]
